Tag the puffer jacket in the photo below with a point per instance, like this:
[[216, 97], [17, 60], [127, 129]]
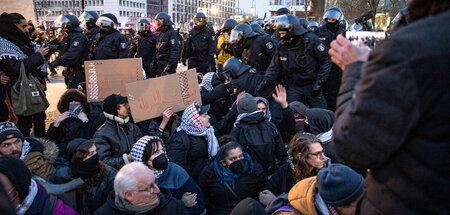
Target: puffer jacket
[[42, 156]]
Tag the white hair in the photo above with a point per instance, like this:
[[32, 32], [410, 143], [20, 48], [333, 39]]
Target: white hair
[[125, 179]]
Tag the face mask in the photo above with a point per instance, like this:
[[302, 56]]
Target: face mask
[[160, 162], [307, 128], [87, 168], [237, 166], [74, 110], [332, 25]]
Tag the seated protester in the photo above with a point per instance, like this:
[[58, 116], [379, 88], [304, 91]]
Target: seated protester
[[29, 197], [150, 151], [195, 142], [230, 178], [216, 94], [320, 123], [299, 110], [38, 154], [74, 121], [306, 158], [163, 127], [258, 137], [336, 190], [136, 192], [248, 206], [84, 163], [116, 137]]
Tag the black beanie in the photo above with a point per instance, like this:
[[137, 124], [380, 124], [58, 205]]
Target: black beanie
[[9, 130], [18, 173], [246, 104], [111, 17], [110, 103], [72, 147]]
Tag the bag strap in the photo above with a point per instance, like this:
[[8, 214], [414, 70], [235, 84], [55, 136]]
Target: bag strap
[[186, 142], [232, 192], [50, 204], [22, 72]]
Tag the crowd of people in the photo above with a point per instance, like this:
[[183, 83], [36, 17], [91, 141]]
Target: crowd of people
[[294, 118]]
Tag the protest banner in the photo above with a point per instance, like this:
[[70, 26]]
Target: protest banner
[[106, 77], [149, 98]]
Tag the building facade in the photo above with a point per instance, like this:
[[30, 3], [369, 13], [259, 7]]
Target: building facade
[[316, 8], [156, 6], [126, 11]]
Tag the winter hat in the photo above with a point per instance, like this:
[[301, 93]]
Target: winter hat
[[248, 206], [137, 152], [339, 185], [111, 17], [298, 107], [202, 109], [246, 104], [110, 103], [18, 173], [72, 147], [9, 130]]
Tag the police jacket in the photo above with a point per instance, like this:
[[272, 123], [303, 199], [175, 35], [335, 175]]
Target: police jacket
[[200, 45], [258, 52], [303, 61], [327, 36], [110, 45], [91, 34], [74, 50], [143, 47], [248, 81], [168, 47]]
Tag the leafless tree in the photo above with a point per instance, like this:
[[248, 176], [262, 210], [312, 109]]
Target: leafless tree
[[307, 5], [395, 6]]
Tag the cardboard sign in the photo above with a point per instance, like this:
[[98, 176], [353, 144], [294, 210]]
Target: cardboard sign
[[106, 77], [149, 98]]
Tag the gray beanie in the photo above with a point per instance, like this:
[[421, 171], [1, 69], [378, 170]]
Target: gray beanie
[[339, 185], [246, 104]]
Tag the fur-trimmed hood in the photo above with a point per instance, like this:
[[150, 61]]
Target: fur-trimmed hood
[[73, 95], [51, 150]]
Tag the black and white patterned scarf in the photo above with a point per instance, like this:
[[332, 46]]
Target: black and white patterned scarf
[[206, 82], [10, 50], [137, 152]]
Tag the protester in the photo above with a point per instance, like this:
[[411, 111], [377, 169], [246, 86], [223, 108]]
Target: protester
[[135, 192], [231, 177], [84, 163], [195, 142], [28, 196], [248, 206], [75, 121], [306, 158], [116, 137], [319, 122], [38, 154], [150, 151], [16, 49], [392, 114], [215, 93]]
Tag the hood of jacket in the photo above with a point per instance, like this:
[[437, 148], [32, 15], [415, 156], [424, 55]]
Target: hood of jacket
[[254, 118], [301, 196], [48, 148]]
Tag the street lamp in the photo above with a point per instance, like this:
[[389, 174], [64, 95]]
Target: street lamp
[[142, 15], [214, 10]]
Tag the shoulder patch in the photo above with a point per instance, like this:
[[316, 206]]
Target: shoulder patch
[[172, 41], [213, 38], [269, 45], [321, 47], [76, 43], [322, 38], [123, 45]]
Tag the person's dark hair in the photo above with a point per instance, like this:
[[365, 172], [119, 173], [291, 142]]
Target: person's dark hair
[[423, 8], [300, 143], [15, 18], [150, 149], [73, 95], [225, 149], [81, 153], [224, 139]]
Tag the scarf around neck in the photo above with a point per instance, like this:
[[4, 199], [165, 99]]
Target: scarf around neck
[[28, 201], [26, 147], [125, 205], [226, 176], [117, 119], [206, 82], [243, 115]]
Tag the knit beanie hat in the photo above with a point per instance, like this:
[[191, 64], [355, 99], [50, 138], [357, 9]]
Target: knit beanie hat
[[72, 147], [110, 103], [298, 107], [339, 185], [111, 17], [9, 130], [246, 104], [18, 173]]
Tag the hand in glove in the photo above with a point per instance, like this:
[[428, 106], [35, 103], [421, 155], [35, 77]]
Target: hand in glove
[[316, 89]]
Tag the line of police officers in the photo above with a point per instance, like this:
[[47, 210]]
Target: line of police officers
[[286, 52]]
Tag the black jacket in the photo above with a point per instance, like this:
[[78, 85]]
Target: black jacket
[[200, 45], [91, 34], [192, 159], [258, 52], [219, 99], [110, 45], [168, 47], [327, 36], [219, 200], [393, 118], [144, 47], [302, 62], [167, 205], [74, 51], [261, 140], [282, 180], [248, 81]]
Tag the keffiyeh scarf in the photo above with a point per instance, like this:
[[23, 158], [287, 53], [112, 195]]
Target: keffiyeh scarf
[[10, 50], [206, 82], [26, 147], [137, 152], [192, 125]]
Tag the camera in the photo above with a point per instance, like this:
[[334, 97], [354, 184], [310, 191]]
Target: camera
[[364, 17]]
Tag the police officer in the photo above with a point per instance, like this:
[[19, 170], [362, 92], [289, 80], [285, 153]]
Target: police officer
[[242, 77], [143, 45], [257, 28], [260, 22], [301, 62], [327, 33], [303, 22], [200, 46], [73, 50], [257, 50], [109, 43], [90, 29], [223, 43], [313, 25], [167, 46]]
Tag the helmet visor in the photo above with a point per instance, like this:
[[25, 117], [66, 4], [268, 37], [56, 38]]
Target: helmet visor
[[234, 38], [61, 22], [105, 21], [86, 17], [283, 24], [333, 14], [200, 21]]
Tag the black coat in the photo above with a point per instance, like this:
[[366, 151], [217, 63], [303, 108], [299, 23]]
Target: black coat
[[219, 99], [144, 47], [219, 200], [327, 36], [167, 205], [258, 52], [194, 159], [110, 45], [282, 180], [73, 52], [168, 47], [200, 46], [393, 118], [248, 81]]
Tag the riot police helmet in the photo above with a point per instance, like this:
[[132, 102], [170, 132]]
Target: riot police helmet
[[257, 28], [143, 25], [229, 24], [162, 19], [200, 20], [240, 32], [107, 20], [303, 22], [290, 24], [87, 19], [334, 13], [260, 22], [283, 11], [68, 22], [313, 24], [210, 25], [234, 67]]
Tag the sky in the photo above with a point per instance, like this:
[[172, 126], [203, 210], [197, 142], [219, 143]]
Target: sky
[[261, 6]]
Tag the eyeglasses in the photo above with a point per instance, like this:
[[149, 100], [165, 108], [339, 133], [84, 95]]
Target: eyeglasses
[[149, 189], [317, 154]]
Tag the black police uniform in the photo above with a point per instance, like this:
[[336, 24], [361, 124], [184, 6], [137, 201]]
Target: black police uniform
[[331, 86], [72, 55], [200, 48], [302, 63], [144, 47], [109, 44], [91, 34], [258, 52], [167, 52]]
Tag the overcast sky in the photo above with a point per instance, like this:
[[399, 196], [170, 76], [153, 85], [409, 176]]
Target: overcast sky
[[261, 6]]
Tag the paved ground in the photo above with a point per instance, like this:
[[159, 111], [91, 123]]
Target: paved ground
[[55, 88]]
